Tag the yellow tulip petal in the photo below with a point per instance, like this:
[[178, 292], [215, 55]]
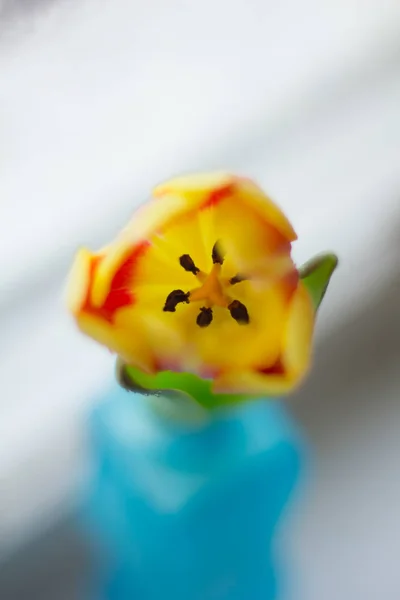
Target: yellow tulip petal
[[167, 334], [150, 218], [205, 190], [227, 345], [293, 362], [297, 342], [202, 193], [196, 189], [79, 280], [181, 197], [118, 291], [245, 236], [171, 345], [130, 343], [252, 383], [250, 193], [159, 268], [171, 201], [184, 236]]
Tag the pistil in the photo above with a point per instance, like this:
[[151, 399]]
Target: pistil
[[210, 292]]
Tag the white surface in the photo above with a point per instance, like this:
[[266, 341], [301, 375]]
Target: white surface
[[100, 100], [345, 535]]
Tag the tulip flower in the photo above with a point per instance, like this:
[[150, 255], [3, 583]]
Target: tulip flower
[[199, 293]]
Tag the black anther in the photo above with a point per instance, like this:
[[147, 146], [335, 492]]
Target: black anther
[[187, 263], [237, 279], [175, 298], [239, 312], [204, 317], [217, 254]]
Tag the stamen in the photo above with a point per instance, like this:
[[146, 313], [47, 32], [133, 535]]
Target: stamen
[[239, 312], [204, 317], [187, 263], [217, 254], [175, 298], [237, 279]]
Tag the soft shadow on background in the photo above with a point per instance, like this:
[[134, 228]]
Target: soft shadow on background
[[99, 101]]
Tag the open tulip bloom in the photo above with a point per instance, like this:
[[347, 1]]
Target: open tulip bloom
[[199, 296]]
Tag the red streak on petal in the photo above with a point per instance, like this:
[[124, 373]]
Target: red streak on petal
[[217, 195], [115, 300], [121, 293], [276, 369], [291, 281], [124, 275]]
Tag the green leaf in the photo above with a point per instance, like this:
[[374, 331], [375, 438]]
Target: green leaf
[[316, 275], [183, 390]]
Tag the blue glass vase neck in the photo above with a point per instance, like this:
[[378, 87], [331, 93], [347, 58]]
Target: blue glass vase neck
[[188, 512]]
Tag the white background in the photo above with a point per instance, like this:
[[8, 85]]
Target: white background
[[100, 100]]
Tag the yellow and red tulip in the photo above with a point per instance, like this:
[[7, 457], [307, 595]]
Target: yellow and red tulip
[[201, 287]]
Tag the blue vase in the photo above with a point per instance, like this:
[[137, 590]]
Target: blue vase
[[187, 511]]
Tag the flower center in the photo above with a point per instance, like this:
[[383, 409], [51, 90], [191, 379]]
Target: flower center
[[211, 291]]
